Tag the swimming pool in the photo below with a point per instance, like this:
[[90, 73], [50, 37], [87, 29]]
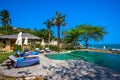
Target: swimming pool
[[111, 61]]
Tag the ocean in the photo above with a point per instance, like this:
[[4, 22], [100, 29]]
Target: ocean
[[107, 46]]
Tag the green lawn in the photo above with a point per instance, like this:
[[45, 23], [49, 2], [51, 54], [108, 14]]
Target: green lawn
[[4, 56]]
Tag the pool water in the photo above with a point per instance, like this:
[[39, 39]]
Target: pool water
[[111, 61]]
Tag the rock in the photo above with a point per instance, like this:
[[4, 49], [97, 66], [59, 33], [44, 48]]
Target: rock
[[83, 72], [44, 67], [29, 78], [58, 72], [76, 78], [72, 77]]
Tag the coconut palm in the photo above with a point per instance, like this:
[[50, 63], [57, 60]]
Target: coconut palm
[[59, 20], [5, 18], [72, 36], [49, 24]]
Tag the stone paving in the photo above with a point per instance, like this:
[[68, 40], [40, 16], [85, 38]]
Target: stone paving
[[63, 70]]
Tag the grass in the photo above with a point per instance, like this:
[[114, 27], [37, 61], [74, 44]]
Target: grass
[[4, 56]]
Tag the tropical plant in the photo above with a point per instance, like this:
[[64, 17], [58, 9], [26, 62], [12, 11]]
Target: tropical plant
[[53, 47], [49, 24], [32, 47], [5, 19], [43, 33], [91, 33], [59, 20], [72, 36], [17, 47]]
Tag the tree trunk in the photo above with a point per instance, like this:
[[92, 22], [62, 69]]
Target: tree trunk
[[86, 44], [49, 38], [58, 39]]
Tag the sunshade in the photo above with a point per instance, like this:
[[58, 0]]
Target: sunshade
[[19, 39]]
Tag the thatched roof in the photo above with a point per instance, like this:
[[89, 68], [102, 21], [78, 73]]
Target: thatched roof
[[14, 36]]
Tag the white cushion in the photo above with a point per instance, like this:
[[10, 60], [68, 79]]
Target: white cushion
[[13, 58]]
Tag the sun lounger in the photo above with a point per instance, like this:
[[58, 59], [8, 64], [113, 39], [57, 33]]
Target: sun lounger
[[32, 56], [34, 53], [38, 50], [23, 62], [10, 63], [25, 53], [26, 50], [47, 49], [30, 53], [41, 51], [18, 53]]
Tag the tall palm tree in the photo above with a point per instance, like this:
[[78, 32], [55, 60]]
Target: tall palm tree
[[92, 32], [49, 24], [5, 18], [59, 20]]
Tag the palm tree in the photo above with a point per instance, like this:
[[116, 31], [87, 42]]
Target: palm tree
[[72, 36], [92, 32], [5, 18], [49, 24], [59, 20]]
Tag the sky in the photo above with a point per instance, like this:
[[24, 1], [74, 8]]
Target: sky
[[32, 13]]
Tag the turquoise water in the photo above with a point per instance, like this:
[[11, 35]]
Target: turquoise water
[[111, 61]]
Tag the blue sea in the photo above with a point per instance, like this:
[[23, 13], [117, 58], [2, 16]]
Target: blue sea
[[107, 46]]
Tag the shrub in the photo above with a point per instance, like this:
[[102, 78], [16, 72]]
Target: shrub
[[53, 47], [37, 45], [17, 47], [32, 47]]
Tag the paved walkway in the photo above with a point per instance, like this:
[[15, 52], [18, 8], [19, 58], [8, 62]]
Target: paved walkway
[[59, 69]]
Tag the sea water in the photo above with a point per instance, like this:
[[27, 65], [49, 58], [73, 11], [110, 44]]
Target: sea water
[[107, 46]]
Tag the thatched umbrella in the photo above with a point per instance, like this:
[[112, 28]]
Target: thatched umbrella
[[43, 43], [19, 39], [26, 41]]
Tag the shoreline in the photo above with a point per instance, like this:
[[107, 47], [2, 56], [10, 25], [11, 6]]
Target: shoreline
[[99, 50]]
